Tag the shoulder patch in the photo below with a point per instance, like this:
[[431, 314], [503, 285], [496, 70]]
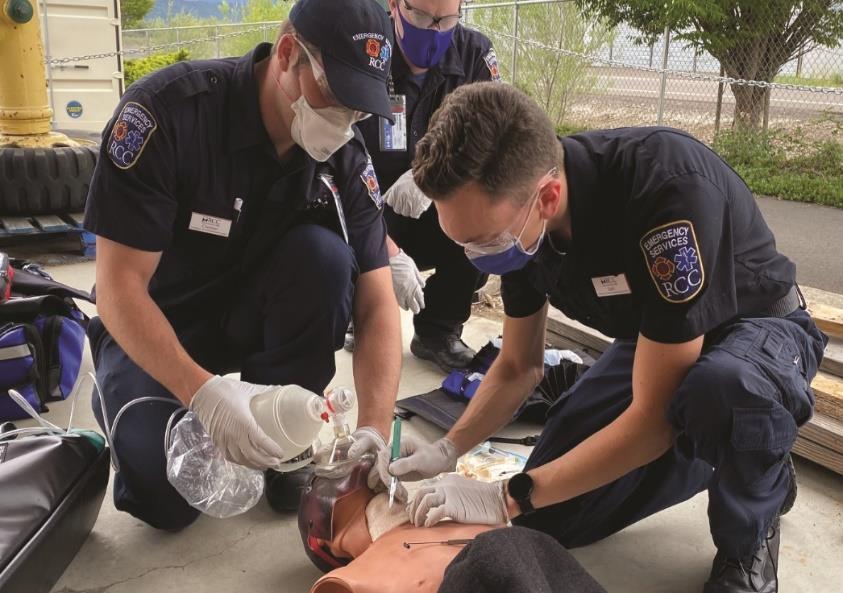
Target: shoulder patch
[[370, 180], [491, 60], [674, 261], [130, 134]]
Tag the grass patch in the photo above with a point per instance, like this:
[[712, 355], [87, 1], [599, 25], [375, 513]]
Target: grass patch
[[566, 129], [835, 80], [786, 165]]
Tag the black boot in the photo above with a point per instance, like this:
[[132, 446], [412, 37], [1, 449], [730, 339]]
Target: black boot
[[447, 351], [284, 489], [752, 574]]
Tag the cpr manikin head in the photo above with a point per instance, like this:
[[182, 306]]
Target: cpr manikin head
[[332, 517], [496, 199]]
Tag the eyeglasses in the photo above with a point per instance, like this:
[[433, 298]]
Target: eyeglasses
[[322, 82], [423, 20], [507, 239]]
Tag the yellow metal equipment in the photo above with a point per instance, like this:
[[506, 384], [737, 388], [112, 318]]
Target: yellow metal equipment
[[25, 111]]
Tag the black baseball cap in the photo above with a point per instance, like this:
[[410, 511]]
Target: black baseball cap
[[356, 43]]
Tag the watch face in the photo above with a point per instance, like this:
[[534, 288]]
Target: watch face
[[520, 486]]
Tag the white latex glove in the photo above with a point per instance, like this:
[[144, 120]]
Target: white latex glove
[[366, 440], [459, 498], [222, 406], [407, 282], [419, 460], [405, 197]]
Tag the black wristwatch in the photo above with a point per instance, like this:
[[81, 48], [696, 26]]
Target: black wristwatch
[[520, 488]]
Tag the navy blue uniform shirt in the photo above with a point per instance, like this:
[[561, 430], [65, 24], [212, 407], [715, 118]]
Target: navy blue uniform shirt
[[187, 168], [470, 58], [667, 240]]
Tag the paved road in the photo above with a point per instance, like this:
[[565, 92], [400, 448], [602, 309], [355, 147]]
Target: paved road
[[810, 235]]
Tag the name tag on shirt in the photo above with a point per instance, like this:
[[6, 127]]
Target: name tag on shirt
[[213, 225], [394, 136], [607, 286]]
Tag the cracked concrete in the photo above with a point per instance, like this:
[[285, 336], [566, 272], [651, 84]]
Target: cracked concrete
[[260, 552]]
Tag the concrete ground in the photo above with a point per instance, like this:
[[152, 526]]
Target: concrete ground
[[260, 552]]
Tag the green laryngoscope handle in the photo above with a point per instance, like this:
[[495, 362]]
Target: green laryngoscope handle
[[396, 438]]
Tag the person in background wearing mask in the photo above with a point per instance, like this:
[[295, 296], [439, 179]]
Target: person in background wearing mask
[[239, 227], [437, 55]]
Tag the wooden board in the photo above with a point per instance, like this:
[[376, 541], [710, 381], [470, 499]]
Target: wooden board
[[828, 392], [76, 217], [819, 454], [833, 357], [560, 325], [824, 431], [51, 224], [15, 225], [829, 319]]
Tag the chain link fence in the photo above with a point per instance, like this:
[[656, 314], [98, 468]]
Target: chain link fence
[[587, 75]]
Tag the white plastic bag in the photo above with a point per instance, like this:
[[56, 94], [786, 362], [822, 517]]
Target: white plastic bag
[[206, 479]]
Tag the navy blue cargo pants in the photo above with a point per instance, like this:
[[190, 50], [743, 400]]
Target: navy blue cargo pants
[[283, 327], [736, 415]]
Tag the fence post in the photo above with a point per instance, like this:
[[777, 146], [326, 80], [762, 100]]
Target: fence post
[[515, 44], [265, 33], [612, 49], [799, 61], [767, 108], [148, 44], [719, 109], [217, 35], [652, 49], [178, 38], [696, 55], [665, 56]]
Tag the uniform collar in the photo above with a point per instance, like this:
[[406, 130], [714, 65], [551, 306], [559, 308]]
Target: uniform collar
[[451, 64], [245, 126], [583, 180]]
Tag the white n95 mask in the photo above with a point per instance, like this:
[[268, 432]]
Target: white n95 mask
[[321, 132]]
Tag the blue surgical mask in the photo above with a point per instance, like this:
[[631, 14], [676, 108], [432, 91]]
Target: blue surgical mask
[[506, 253], [423, 47]]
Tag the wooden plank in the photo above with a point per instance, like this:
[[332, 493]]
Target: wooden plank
[[829, 319], [15, 225], [833, 357], [77, 218], [824, 431], [828, 392], [51, 224], [561, 325], [819, 454]]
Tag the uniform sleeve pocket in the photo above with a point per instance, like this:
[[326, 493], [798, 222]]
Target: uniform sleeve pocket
[[762, 429]]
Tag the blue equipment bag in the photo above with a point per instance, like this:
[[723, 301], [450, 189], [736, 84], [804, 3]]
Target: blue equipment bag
[[42, 337]]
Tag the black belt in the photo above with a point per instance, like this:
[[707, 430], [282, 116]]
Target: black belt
[[787, 304]]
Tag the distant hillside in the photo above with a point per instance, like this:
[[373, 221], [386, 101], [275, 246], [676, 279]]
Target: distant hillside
[[198, 8]]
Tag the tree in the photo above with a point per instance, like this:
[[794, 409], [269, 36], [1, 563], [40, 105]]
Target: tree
[[752, 39], [133, 11]]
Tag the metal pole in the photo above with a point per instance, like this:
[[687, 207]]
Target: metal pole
[[652, 49], [148, 44], [696, 55], [665, 57], [265, 33], [218, 40], [767, 94], [719, 109], [178, 35], [799, 62], [515, 44], [611, 49]]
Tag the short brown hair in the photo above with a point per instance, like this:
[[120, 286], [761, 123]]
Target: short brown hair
[[489, 133]]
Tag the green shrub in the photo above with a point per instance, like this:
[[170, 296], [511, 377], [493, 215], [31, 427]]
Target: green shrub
[[786, 165], [135, 69]]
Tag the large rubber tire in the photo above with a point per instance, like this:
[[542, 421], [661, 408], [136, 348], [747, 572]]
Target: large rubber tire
[[45, 180]]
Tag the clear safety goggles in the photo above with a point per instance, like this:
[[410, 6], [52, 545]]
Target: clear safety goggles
[[322, 82], [424, 20], [507, 239]]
